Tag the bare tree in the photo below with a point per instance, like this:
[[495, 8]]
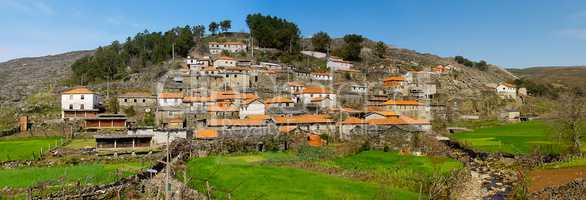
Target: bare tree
[[571, 118]]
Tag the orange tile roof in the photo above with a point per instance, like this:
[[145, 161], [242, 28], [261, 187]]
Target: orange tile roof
[[297, 84], [346, 110], [215, 108], [387, 113], [386, 121], [206, 134], [354, 120], [314, 90], [302, 119], [507, 84], [190, 99], [314, 140], [170, 95], [236, 122], [249, 101], [402, 102], [412, 121], [264, 117], [225, 58], [391, 84], [394, 78], [278, 100], [81, 90], [287, 129]]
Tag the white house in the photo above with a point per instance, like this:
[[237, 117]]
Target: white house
[[232, 47], [197, 64], [79, 103], [225, 61], [170, 99], [308, 93], [279, 102], [506, 91], [359, 89], [295, 86], [338, 63], [321, 76], [270, 65], [252, 107]]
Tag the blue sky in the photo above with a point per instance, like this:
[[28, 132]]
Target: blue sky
[[507, 33]]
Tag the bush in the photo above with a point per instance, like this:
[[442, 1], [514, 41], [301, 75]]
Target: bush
[[308, 153]]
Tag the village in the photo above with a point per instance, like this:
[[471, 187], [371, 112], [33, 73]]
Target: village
[[184, 114]]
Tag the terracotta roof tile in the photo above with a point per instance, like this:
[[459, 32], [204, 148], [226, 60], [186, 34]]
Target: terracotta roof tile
[[314, 90], [170, 95], [286, 129], [402, 102], [303, 119], [354, 120], [394, 78], [216, 108], [81, 90], [297, 84], [278, 100], [206, 134]]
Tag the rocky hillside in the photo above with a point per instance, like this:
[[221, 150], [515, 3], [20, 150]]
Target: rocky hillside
[[24, 76], [572, 76]]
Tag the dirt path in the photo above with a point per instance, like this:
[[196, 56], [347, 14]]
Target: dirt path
[[542, 178]]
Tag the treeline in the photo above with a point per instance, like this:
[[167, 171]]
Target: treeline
[[538, 89], [481, 65], [273, 32], [144, 49]]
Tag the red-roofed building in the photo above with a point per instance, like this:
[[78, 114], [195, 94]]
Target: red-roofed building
[[310, 93]]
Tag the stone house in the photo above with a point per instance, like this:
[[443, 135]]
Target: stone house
[[137, 100], [251, 107], [308, 93], [506, 91], [170, 99]]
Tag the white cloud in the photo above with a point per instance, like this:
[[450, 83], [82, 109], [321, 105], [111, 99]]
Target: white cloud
[[575, 33]]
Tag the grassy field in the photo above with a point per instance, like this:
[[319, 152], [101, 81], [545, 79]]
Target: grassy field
[[23, 148], [81, 143], [86, 174], [517, 138], [251, 176]]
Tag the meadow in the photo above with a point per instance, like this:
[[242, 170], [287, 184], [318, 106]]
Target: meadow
[[57, 175], [515, 138], [23, 148], [276, 176]]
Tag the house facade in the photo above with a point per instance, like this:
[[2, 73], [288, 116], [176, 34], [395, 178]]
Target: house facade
[[506, 91], [232, 47], [170, 99], [338, 64], [252, 107], [311, 92], [79, 103]]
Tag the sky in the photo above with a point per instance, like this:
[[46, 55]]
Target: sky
[[511, 34]]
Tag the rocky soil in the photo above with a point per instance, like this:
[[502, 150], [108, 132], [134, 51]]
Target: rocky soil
[[572, 191], [24, 76]]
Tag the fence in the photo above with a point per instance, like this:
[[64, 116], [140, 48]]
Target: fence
[[8, 132]]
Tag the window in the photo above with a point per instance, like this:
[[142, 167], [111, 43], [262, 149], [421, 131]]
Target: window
[[125, 100], [70, 106], [81, 107], [143, 100], [134, 100], [82, 96]]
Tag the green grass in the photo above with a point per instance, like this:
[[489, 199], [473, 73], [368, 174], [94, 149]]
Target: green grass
[[23, 148], [247, 178], [86, 174], [517, 138], [576, 162], [81, 143]]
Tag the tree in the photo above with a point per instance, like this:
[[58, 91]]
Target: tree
[[213, 27], [380, 49], [352, 47], [321, 41], [225, 25], [198, 31], [274, 32], [571, 118]]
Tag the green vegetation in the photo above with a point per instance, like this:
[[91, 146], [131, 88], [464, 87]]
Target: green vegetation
[[25, 148], [481, 65], [282, 175], [81, 143], [575, 162], [517, 138], [351, 49], [85, 174], [321, 41], [146, 48], [274, 32], [380, 49]]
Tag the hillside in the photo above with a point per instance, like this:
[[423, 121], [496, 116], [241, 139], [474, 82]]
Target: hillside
[[570, 76], [24, 76]]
